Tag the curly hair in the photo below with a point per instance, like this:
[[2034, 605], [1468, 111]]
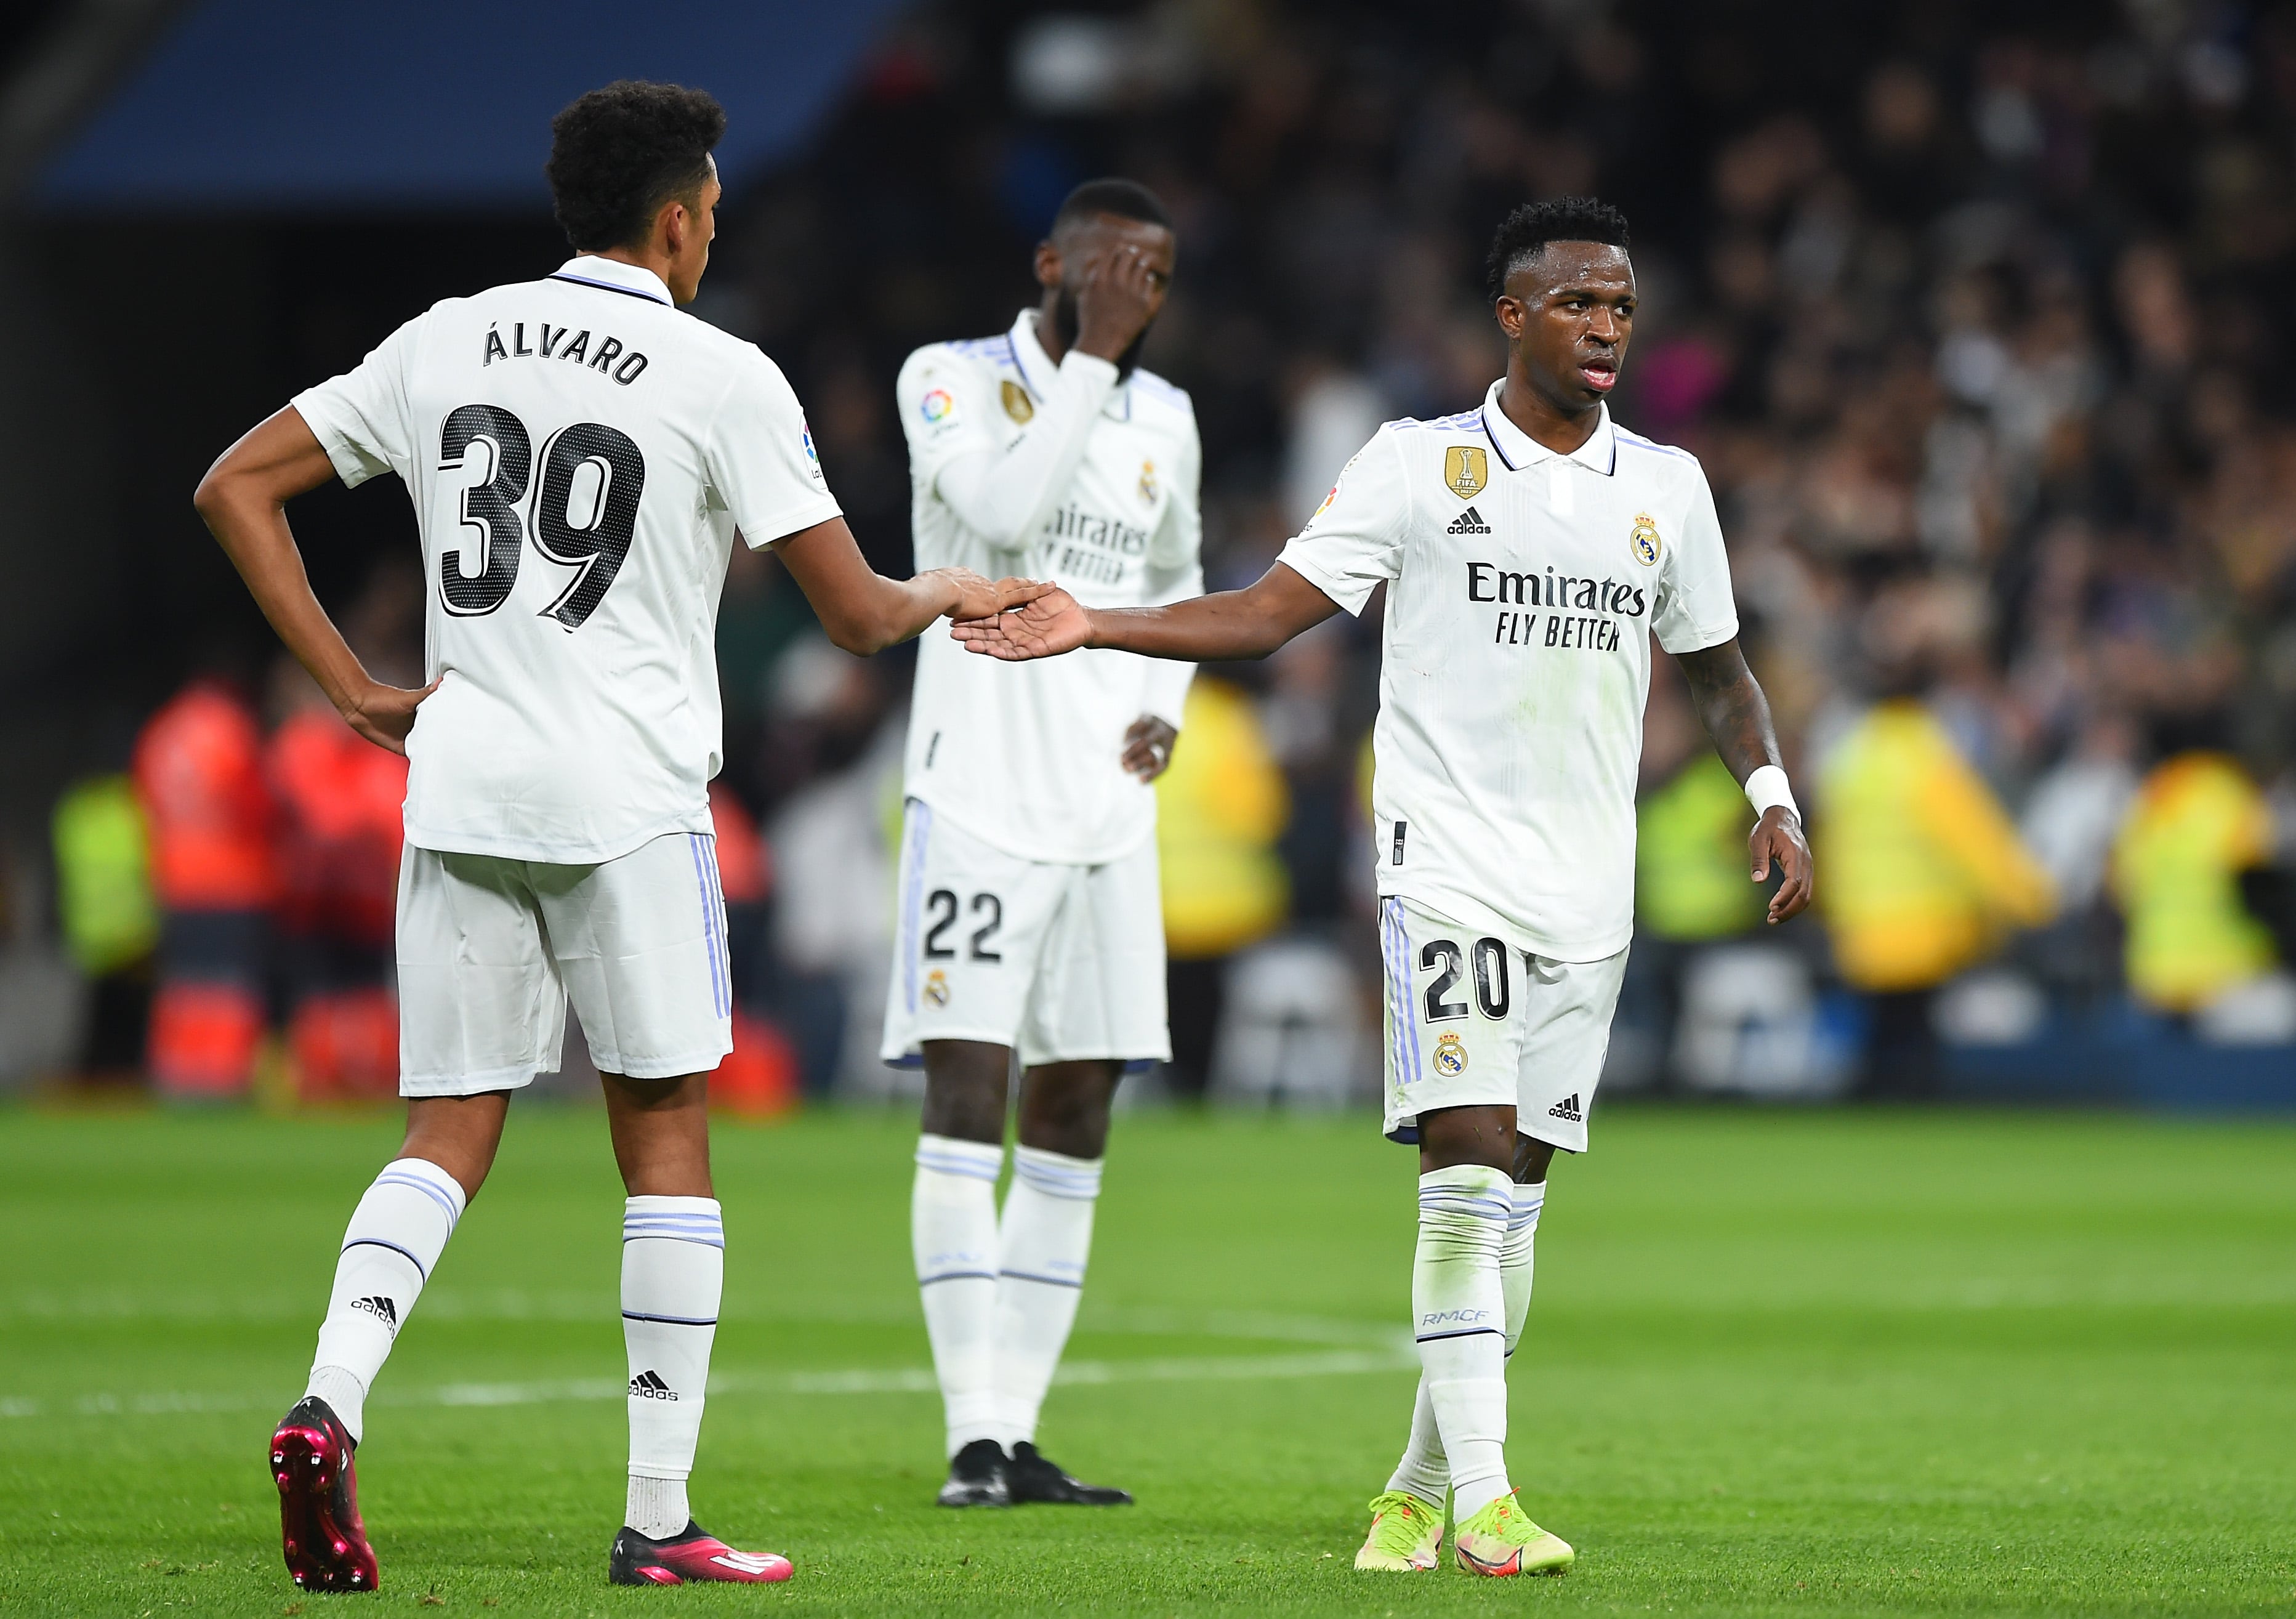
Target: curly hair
[[619, 153], [1532, 226]]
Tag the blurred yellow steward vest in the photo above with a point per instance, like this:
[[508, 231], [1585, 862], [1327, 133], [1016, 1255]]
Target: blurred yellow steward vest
[[2197, 824], [103, 875], [1220, 809], [1691, 865], [1919, 871]]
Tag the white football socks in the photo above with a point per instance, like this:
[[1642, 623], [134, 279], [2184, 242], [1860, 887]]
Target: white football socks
[[1424, 1471], [1515, 1259], [673, 1278], [1043, 1243], [952, 1234], [1459, 1318], [389, 1249]]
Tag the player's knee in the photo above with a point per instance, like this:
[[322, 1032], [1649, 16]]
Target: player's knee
[[1531, 1158], [965, 1083], [459, 1134], [1064, 1107]]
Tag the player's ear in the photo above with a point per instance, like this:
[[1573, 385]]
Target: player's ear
[[1048, 264]]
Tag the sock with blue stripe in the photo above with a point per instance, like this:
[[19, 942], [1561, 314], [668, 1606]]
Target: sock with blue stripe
[[1042, 1242], [673, 1276], [1458, 1306], [953, 1235], [389, 1249], [1424, 1470]]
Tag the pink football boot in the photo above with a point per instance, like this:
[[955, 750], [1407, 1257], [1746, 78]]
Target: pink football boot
[[691, 1555], [319, 1528]]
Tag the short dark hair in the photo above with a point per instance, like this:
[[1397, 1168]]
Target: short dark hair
[[1126, 198], [1532, 226], [619, 153]]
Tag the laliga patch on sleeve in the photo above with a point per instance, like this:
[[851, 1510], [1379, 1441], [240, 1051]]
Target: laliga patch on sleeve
[[1334, 493], [938, 407], [812, 455]]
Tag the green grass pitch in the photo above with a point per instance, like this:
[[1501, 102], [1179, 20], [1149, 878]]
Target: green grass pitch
[[1840, 1363]]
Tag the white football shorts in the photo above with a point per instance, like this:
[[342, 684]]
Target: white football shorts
[[491, 950], [1473, 1022], [1062, 963]]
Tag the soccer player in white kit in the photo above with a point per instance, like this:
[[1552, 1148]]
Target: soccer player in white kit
[[1531, 548], [1030, 917], [582, 456]]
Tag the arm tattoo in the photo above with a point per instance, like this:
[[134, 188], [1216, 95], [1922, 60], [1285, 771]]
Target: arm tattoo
[[1731, 706]]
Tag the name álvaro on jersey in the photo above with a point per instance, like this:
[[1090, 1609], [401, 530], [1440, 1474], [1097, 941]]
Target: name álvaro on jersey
[[553, 344]]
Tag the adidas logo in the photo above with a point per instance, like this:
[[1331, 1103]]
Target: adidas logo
[[649, 1385], [382, 1309], [1567, 1108], [1468, 521]]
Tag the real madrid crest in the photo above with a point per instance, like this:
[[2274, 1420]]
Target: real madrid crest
[[1018, 405], [1465, 469], [1450, 1055], [937, 989], [1644, 540], [1148, 481]]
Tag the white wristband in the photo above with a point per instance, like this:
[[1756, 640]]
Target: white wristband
[[1767, 788]]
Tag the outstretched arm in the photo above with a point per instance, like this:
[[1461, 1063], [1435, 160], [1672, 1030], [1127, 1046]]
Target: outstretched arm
[[1247, 623], [243, 499], [1737, 716], [864, 611]]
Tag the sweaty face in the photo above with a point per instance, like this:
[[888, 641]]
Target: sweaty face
[[1081, 245], [1568, 312]]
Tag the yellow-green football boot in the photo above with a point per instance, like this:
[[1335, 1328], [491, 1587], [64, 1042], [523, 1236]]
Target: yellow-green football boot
[[1501, 1540], [1406, 1534]]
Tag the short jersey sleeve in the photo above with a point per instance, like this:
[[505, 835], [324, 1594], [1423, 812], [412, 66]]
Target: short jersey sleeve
[[1695, 607], [363, 418], [762, 463], [1355, 540], [1178, 541], [943, 411]]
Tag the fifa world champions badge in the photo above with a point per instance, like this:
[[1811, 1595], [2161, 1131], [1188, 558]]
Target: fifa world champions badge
[[1450, 1055], [1644, 540], [1016, 401], [1465, 469]]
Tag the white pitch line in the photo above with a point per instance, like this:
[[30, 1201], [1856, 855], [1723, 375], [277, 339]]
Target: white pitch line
[[859, 1380]]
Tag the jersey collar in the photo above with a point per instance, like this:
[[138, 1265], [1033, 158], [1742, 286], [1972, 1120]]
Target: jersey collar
[[612, 276], [1518, 449], [1037, 371]]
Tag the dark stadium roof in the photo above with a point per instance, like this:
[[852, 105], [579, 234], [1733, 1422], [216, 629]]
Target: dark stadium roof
[[276, 102]]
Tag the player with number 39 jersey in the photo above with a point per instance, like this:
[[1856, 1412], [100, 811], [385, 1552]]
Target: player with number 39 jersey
[[582, 457]]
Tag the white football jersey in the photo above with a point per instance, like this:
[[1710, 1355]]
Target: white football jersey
[[580, 456], [1525, 587], [1019, 466]]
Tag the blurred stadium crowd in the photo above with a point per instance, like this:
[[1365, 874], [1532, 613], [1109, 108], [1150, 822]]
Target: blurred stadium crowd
[[1977, 318]]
